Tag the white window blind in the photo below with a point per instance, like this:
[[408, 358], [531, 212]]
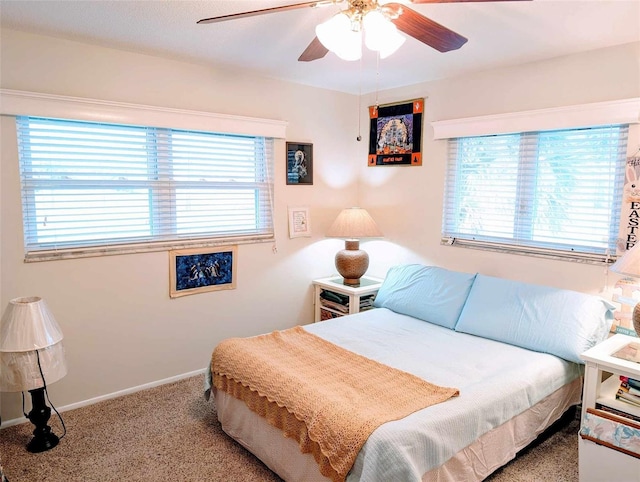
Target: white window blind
[[550, 193], [90, 187]]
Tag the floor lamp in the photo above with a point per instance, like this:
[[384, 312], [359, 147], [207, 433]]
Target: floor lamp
[[32, 356]]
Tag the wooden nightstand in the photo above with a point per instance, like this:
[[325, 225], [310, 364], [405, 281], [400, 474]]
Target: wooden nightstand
[[332, 298], [599, 463]]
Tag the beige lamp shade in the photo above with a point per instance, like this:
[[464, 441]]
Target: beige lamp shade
[[19, 371], [28, 324], [352, 224], [629, 264], [30, 334]]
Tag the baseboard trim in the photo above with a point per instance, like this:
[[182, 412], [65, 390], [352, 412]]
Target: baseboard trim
[[108, 396]]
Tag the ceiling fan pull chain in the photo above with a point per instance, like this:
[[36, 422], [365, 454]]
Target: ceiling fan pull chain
[[359, 138], [377, 76]]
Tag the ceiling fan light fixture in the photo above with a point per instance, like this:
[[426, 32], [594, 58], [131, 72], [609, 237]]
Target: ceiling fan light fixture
[[330, 32], [393, 43], [350, 47], [381, 35], [341, 36]]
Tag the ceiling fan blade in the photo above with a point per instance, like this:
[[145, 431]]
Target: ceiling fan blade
[[262, 11], [424, 29], [314, 51]]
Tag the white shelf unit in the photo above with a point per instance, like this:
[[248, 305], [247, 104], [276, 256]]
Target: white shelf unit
[[599, 463], [607, 397], [350, 297]]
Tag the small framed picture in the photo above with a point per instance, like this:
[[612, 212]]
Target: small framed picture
[[299, 223], [299, 163], [198, 270]]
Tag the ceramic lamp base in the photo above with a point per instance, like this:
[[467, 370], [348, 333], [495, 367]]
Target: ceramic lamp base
[[352, 262]]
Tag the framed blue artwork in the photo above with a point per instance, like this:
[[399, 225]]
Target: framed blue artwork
[[198, 270]]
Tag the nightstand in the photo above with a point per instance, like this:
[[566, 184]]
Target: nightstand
[[333, 298], [597, 461]]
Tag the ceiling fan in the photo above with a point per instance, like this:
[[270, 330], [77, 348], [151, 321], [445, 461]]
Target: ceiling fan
[[404, 18]]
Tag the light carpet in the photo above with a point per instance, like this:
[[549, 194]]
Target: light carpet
[[171, 433]]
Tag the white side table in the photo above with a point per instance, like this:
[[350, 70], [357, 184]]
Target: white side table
[[598, 463], [347, 300]]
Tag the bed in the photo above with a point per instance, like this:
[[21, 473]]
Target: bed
[[500, 357]]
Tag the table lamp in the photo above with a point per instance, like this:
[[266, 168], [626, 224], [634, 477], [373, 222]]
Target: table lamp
[[353, 224], [32, 356], [629, 264]]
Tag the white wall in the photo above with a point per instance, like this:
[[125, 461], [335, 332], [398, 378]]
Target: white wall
[[122, 330], [404, 197]]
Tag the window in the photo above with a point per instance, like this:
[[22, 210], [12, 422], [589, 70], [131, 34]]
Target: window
[[91, 186], [554, 193]]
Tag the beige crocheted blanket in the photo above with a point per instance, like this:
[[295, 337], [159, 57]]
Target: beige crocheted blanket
[[326, 398]]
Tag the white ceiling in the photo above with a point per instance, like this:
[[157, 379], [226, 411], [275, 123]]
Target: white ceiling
[[500, 34]]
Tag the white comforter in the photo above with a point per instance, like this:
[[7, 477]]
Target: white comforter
[[496, 382]]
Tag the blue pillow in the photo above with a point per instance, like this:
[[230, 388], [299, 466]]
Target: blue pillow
[[428, 293], [540, 318]]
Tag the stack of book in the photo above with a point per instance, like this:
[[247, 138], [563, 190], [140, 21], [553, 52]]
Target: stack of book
[[335, 301], [629, 391], [366, 302], [619, 413]]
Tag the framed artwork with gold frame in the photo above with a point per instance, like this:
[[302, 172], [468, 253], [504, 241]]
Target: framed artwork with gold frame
[[198, 270]]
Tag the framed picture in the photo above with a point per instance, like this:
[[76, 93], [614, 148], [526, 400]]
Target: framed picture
[[198, 270], [299, 223], [299, 163], [395, 134]]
